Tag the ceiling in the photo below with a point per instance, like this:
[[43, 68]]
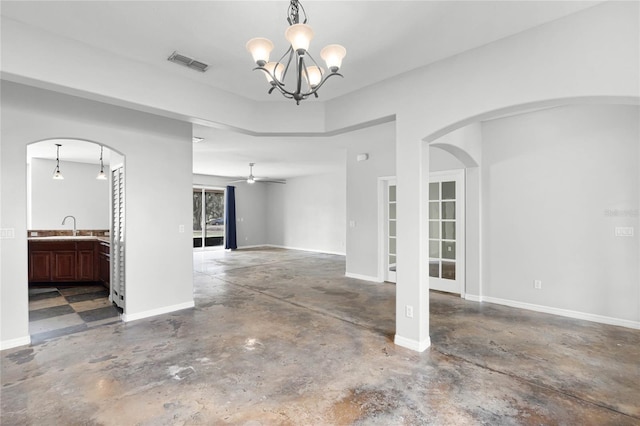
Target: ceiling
[[382, 38]]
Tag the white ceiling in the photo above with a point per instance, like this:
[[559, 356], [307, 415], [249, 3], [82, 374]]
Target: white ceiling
[[382, 38]]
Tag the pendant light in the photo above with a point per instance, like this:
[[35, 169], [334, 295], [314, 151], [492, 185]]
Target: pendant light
[[56, 172], [101, 175]]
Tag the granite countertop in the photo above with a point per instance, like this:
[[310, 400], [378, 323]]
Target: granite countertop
[[71, 238]]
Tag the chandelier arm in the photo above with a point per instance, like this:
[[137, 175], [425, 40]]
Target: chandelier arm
[[275, 83], [287, 94], [299, 72], [290, 52], [324, 79], [313, 60]]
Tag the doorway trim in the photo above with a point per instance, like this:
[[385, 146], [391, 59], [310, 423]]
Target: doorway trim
[[383, 184]]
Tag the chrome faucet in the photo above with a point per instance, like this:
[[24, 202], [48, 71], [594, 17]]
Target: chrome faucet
[[74, 223]]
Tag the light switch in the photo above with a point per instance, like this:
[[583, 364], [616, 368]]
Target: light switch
[[181, 229], [7, 233], [352, 224], [622, 231]]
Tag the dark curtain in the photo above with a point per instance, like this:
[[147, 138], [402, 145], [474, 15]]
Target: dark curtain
[[230, 242]]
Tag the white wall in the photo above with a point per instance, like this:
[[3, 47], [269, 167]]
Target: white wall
[[548, 180], [440, 160], [80, 194], [251, 208], [308, 213], [362, 195], [159, 271]]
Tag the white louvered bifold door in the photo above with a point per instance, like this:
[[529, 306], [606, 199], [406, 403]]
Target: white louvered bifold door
[[117, 238]]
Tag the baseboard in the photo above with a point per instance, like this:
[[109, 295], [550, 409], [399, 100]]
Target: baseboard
[[252, 246], [14, 343], [304, 249], [362, 277], [159, 311], [414, 345], [473, 297], [564, 312]]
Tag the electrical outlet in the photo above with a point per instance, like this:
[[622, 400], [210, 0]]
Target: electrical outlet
[[537, 284], [409, 311]]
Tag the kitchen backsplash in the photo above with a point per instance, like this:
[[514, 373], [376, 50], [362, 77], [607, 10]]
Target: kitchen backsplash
[[69, 233]]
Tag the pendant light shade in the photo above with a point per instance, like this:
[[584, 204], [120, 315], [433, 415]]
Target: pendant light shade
[[57, 174], [275, 69], [260, 48], [299, 35], [333, 55], [313, 76], [101, 175]]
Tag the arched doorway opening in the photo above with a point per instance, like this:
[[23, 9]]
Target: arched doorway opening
[[75, 223], [565, 165]]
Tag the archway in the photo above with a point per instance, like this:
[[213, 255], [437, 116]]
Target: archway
[[526, 297], [73, 281]]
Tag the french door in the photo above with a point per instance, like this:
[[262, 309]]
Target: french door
[[208, 217], [446, 231]]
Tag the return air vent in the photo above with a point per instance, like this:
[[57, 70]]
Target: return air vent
[[188, 62]]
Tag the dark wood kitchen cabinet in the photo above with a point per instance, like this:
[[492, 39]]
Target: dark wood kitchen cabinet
[[104, 263], [63, 265], [64, 261], [39, 265], [86, 269]]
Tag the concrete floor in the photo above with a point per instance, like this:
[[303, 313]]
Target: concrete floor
[[282, 337]]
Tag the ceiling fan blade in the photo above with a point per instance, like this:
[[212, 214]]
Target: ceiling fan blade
[[267, 180]]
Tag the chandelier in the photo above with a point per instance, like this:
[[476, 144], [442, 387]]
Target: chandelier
[[309, 76]]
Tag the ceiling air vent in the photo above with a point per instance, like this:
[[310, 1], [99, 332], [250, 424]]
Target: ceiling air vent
[[188, 62]]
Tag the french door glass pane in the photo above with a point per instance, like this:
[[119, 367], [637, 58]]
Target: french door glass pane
[[392, 193], [392, 211], [434, 268], [392, 228], [392, 246], [449, 270], [448, 230], [434, 229], [434, 210], [434, 191], [449, 210], [434, 248], [448, 190], [448, 250]]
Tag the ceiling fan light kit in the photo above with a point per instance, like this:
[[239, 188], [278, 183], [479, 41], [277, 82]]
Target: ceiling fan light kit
[[297, 57]]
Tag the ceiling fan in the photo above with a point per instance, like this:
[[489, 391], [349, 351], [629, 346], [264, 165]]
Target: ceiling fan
[[252, 179]]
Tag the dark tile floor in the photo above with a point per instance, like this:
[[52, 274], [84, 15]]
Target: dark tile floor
[[61, 310]]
